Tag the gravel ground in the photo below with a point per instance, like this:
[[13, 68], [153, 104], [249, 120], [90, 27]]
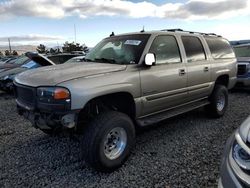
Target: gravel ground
[[184, 151]]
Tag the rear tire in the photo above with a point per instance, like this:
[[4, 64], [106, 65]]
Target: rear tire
[[218, 102], [108, 140]]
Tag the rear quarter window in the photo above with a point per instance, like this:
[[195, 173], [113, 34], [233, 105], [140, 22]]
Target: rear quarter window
[[193, 48], [220, 48]]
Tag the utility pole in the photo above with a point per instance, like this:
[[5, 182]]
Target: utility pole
[[75, 32], [9, 45]]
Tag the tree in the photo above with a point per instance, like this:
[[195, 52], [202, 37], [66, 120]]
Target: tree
[[1, 53], [14, 53], [85, 48], [41, 49], [7, 53], [70, 47], [52, 51]]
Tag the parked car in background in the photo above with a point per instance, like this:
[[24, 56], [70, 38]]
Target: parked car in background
[[32, 61], [235, 166], [62, 58], [13, 63], [128, 80], [78, 59], [6, 60], [243, 61]]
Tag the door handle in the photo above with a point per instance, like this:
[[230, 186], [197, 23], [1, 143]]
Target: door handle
[[206, 69], [182, 72]]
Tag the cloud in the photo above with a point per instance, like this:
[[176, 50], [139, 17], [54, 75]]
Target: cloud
[[31, 38], [57, 9]]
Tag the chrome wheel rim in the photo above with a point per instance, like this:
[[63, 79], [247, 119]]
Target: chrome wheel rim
[[221, 102], [115, 143]]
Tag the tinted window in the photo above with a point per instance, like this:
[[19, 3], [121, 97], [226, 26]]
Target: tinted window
[[242, 51], [55, 59], [194, 49], [21, 60], [166, 50], [219, 48], [31, 65]]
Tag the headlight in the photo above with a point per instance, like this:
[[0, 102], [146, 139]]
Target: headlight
[[53, 94], [241, 156]]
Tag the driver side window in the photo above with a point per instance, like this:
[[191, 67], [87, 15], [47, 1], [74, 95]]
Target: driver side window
[[166, 50]]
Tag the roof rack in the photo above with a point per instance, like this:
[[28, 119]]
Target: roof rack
[[191, 32]]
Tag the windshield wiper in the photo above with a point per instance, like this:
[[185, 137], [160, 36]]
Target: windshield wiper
[[105, 60]]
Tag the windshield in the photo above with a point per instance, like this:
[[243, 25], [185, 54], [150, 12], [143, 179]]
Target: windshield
[[21, 60], [243, 51], [125, 49], [31, 65]]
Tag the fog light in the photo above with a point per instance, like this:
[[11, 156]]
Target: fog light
[[68, 121]]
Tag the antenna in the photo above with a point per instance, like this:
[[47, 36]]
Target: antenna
[[112, 34], [75, 32], [142, 31], [9, 44]]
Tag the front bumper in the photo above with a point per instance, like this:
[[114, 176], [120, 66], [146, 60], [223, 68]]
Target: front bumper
[[42, 115], [49, 120], [230, 173], [243, 81]]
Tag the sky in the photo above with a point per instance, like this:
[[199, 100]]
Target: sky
[[52, 22]]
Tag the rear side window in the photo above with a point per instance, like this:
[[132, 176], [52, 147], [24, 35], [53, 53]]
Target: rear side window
[[166, 50], [194, 49], [219, 48], [55, 59]]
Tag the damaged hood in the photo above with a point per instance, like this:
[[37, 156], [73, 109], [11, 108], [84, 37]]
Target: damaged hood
[[53, 75]]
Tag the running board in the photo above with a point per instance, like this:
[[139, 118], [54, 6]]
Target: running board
[[155, 118]]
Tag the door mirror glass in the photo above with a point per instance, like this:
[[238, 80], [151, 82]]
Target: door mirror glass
[[149, 59]]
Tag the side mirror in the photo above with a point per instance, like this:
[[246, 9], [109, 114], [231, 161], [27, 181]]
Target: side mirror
[[149, 59]]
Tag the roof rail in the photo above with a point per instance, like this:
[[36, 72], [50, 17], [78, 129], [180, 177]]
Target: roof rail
[[191, 32]]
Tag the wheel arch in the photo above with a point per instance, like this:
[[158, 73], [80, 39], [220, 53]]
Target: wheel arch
[[118, 101], [222, 80]]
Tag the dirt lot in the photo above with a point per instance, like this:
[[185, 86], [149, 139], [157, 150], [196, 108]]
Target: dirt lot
[[184, 151]]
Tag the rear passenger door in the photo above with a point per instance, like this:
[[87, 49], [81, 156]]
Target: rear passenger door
[[198, 68], [164, 85]]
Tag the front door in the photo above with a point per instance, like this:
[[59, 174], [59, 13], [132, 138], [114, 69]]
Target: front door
[[164, 85]]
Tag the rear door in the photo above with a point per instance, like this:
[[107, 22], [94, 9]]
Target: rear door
[[198, 67], [164, 85]]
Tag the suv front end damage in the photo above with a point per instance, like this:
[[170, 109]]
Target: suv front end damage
[[45, 107]]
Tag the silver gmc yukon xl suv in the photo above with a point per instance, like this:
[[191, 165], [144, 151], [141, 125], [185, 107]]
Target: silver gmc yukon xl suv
[[128, 81]]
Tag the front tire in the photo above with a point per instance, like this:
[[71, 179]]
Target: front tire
[[218, 102], [108, 140]]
